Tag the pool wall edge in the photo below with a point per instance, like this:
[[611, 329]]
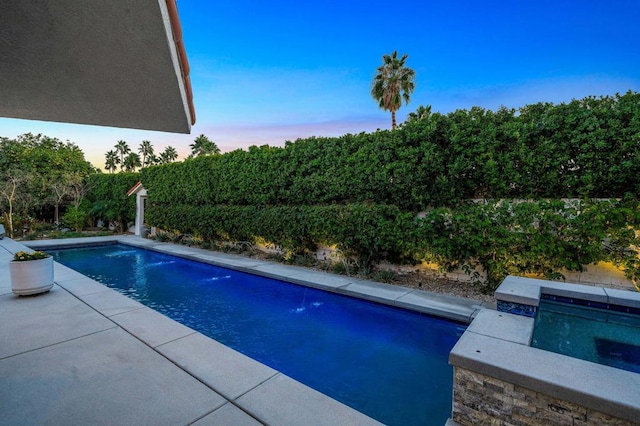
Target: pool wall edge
[[453, 308]]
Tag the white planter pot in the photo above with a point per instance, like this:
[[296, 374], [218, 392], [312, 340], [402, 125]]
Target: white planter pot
[[32, 276]]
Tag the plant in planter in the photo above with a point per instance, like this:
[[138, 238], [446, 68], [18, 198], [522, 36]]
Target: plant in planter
[[31, 273]]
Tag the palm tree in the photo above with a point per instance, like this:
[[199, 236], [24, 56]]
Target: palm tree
[[423, 112], [146, 150], [168, 155], [123, 149], [131, 162], [111, 161], [203, 146], [151, 160], [393, 83]]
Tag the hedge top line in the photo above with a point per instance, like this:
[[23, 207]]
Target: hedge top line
[[588, 148]]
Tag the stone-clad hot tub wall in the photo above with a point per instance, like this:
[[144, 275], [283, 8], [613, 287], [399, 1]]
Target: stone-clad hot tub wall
[[480, 399]]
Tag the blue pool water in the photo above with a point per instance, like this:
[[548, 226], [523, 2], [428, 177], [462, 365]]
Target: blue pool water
[[388, 363], [608, 335]]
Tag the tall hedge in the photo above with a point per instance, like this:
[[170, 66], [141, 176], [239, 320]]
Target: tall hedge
[[362, 192], [586, 148]]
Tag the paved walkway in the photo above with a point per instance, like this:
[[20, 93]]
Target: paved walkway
[[85, 354]]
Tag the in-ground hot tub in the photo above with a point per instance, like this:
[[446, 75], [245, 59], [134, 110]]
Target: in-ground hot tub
[[594, 331], [499, 375]]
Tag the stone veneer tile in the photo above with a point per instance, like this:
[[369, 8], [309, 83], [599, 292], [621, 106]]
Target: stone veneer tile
[[481, 399]]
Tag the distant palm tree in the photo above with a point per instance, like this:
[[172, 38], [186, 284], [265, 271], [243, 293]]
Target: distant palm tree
[[146, 151], [423, 112], [123, 149], [151, 160], [392, 84], [111, 161], [203, 146], [131, 162], [169, 155]]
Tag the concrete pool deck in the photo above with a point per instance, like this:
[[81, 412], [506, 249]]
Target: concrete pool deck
[[85, 354]]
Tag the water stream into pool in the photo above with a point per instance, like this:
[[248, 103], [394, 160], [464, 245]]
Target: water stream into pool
[[388, 363]]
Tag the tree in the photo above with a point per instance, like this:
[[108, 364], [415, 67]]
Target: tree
[[131, 162], [123, 149], [61, 189], [392, 84], [78, 188], [203, 146], [146, 151], [151, 160], [111, 161], [109, 200], [422, 113], [45, 156], [11, 190], [43, 163], [169, 155]]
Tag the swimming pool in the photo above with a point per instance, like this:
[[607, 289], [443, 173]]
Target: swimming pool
[[596, 332], [388, 363]]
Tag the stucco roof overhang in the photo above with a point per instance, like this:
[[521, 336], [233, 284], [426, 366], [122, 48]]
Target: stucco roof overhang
[[117, 63]]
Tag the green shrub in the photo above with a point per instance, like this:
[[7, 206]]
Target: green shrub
[[23, 256], [75, 217]]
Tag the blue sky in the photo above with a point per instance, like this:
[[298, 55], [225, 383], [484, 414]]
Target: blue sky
[[267, 72]]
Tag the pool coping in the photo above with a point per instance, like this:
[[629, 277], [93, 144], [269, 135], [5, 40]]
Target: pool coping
[[497, 344], [254, 387], [446, 306]]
